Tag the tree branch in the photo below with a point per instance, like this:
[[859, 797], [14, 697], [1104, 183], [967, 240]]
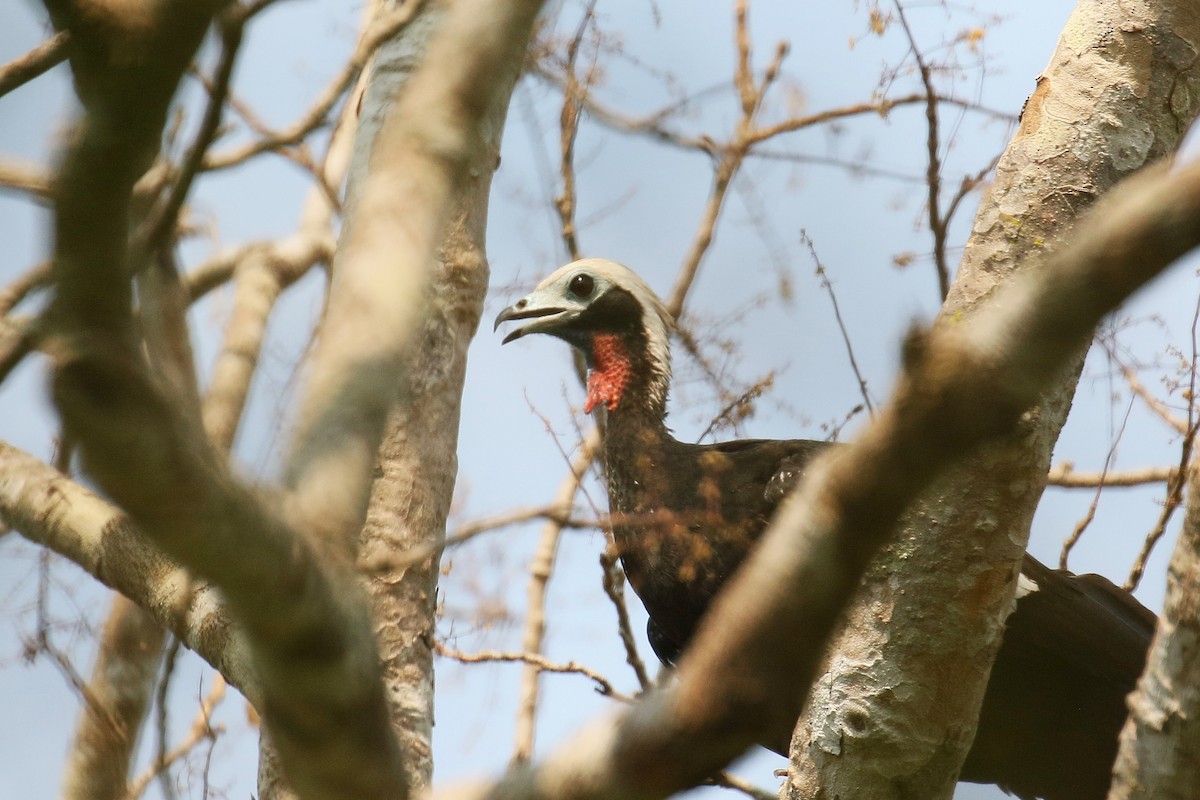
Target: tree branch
[[1159, 756], [52, 510], [303, 617], [540, 568], [23, 69], [745, 676], [950, 581], [419, 161], [122, 681]]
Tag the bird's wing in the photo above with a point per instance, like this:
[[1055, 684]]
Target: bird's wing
[[791, 469], [1055, 702], [1099, 618]]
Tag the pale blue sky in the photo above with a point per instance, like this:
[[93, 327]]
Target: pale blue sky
[[639, 203]]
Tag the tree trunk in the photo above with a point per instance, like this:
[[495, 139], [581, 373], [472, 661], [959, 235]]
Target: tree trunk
[[1118, 94], [1160, 746], [410, 498]]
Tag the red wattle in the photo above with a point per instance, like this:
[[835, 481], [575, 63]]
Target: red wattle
[[609, 374]]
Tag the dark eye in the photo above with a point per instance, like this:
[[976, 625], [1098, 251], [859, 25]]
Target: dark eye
[[582, 286]]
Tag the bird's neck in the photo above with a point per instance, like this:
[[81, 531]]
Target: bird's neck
[[624, 378], [629, 384]]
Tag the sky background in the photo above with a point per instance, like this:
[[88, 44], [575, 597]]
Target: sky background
[[856, 189]]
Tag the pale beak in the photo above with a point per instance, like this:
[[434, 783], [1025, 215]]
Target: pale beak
[[548, 316]]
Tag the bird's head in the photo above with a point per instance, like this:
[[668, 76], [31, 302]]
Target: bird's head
[[617, 321]]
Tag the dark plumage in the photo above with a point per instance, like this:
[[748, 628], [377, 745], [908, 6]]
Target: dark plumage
[[685, 516]]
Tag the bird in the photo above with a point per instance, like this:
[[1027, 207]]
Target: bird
[[684, 516]]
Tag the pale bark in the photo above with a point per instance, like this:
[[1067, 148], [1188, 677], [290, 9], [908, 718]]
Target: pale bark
[[423, 155], [1118, 94], [122, 685], [295, 595], [25, 68], [748, 671], [52, 510], [418, 463], [1160, 745]]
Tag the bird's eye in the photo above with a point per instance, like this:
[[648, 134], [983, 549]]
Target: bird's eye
[[582, 286]]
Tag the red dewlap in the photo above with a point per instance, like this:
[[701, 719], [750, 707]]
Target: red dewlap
[[609, 374]]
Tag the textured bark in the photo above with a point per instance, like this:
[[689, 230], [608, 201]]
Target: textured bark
[[418, 461], [895, 714], [118, 697], [284, 574], [1160, 746], [52, 510]]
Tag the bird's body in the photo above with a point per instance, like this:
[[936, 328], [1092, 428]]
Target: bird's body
[[685, 516]]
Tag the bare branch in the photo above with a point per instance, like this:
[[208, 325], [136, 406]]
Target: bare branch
[[568, 124], [967, 541], [652, 125], [95, 535], [202, 730], [540, 569], [837, 313], [1159, 755], [728, 780], [732, 155], [933, 172], [313, 650], [23, 69], [1087, 519], [385, 26], [1160, 409], [418, 163], [1064, 475], [614, 588], [264, 272], [1172, 503], [543, 664], [159, 225], [36, 277], [24, 178], [122, 680], [740, 680]]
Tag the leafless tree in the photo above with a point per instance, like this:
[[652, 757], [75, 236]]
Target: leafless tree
[[316, 595]]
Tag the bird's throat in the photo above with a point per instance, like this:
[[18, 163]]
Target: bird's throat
[[609, 374]]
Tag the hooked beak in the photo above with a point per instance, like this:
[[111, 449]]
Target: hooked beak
[[547, 317]]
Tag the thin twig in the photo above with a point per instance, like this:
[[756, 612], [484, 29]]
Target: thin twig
[[968, 184], [614, 588], [933, 173], [727, 780], [543, 664], [741, 404], [568, 122], [827, 285], [158, 227], [1172, 502], [540, 569], [202, 730], [1083, 523], [161, 751], [1160, 409], [1175, 486], [1064, 476], [388, 562], [385, 26], [732, 155]]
